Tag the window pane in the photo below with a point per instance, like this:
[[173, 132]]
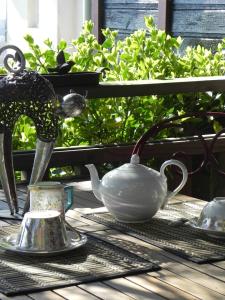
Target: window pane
[[2, 22], [33, 13]]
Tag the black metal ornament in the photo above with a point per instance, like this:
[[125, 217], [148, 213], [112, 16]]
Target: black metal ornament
[[72, 105], [28, 93], [63, 66], [18, 59]]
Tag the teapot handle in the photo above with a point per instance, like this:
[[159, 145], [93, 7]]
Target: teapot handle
[[184, 179]]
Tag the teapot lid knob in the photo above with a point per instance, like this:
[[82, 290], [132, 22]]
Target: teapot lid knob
[[135, 159]]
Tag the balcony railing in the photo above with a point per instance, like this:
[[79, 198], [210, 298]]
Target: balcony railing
[[116, 154]]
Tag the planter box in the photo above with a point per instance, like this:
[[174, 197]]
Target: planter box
[[72, 79]]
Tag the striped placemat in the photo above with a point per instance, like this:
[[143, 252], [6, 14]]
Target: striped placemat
[[165, 232], [96, 260]]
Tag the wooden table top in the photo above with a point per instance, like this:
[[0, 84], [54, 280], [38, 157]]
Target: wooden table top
[[178, 279]]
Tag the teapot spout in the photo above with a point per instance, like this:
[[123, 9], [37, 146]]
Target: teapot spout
[[95, 181]]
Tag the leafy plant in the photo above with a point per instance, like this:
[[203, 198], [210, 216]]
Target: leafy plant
[[145, 54]]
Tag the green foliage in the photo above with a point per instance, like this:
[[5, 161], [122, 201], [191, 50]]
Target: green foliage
[[145, 54], [40, 60], [63, 172], [2, 71], [24, 136]]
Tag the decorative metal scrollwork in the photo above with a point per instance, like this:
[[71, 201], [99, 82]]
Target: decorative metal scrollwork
[[18, 58], [177, 121]]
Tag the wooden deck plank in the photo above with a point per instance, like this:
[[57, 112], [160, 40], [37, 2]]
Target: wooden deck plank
[[161, 288], [170, 292], [211, 269], [77, 216], [135, 291], [47, 295], [220, 264], [206, 277], [175, 264], [85, 224], [190, 268], [82, 185], [104, 292], [184, 198], [197, 290], [75, 293], [179, 279]]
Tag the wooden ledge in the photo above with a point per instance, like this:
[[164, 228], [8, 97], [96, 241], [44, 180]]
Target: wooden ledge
[[82, 155], [149, 87]]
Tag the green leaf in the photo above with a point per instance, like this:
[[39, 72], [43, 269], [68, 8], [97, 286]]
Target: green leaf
[[62, 45], [48, 43], [28, 38], [108, 43]]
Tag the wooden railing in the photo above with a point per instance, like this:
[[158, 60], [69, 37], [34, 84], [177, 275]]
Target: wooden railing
[[79, 156], [148, 87]]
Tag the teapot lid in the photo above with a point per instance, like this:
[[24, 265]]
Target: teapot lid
[[135, 159], [134, 164]]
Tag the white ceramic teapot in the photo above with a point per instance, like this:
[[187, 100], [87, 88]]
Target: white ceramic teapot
[[133, 192]]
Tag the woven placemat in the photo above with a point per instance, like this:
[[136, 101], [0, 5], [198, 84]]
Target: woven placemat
[[96, 260], [164, 231]]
